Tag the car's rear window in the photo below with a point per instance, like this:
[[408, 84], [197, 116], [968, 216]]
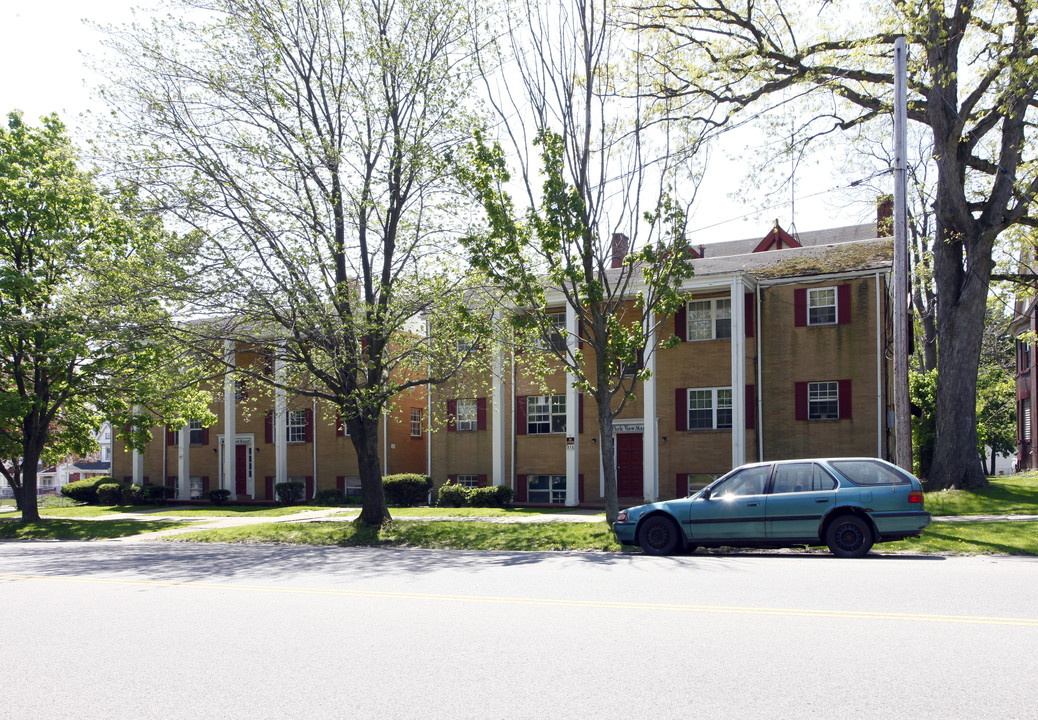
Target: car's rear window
[[870, 472]]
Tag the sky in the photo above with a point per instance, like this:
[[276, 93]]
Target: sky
[[46, 45]]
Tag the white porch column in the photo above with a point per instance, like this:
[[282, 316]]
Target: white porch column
[[738, 349], [137, 466], [572, 413], [650, 434], [230, 420], [280, 424], [497, 418], [184, 463]]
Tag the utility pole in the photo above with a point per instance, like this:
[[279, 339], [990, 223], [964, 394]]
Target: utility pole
[[902, 426]]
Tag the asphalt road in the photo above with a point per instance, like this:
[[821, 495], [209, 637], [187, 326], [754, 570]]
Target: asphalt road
[[154, 630]]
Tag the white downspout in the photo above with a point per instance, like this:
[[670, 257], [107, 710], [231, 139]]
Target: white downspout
[[880, 409], [759, 330]]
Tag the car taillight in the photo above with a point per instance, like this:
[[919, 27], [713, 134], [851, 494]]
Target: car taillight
[[916, 496]]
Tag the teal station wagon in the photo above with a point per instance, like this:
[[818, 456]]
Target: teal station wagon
[[845, 503]]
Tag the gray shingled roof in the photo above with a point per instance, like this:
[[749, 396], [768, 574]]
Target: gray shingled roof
[[833, 257]]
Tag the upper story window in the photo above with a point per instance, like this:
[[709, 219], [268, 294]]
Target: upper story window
[[1024, 354], [557, 333], [709, 408], [197, 432], [709, 319], [416, 422], [821, 306], [296, 422], [467, 416], [545, 414]]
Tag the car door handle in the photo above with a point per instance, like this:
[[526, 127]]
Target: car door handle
[[822, 500], [753, 504]]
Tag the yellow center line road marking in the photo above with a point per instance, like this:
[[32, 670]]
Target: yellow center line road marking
[[548, 602]]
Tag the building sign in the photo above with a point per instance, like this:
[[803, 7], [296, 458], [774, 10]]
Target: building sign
[[629, 426]]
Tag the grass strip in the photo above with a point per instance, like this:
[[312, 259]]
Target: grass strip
[[971, 538], [1007, 495], [446, 535], [13, 529]]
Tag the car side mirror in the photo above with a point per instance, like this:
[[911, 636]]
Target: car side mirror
[[705, 495]]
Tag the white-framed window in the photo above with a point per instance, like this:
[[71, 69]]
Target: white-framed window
[[557, 333], [296, 425], [709, 319], [196, 432], [1026, 415], [416, 422], [709, 408], [469, 481], [463, 346], [195, 487], [545, 489], [351, 486], [466, 415], [545, 414], [821, 306], [823, 400]]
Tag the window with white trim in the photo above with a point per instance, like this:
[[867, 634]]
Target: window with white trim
[[195, 486], [709, 408], [196, 432], [546, 489], [469, 481], [823, 400], [416, 422], [709, 319], [296, 425], [1027, 419], [545, 414], [557, 320], [466, 416], [821, 306]]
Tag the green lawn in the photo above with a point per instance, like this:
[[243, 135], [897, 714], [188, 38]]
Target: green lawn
[[971, 538], [14, 529], [431, 534], [1007, 495]]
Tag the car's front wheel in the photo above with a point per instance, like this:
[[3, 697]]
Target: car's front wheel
[[849, 537], [659, 535]]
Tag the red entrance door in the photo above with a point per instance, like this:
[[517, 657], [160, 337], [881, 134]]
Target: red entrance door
[[629, 465], [241, 470]]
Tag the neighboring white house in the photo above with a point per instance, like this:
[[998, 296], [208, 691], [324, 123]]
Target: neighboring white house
[[96, 464]]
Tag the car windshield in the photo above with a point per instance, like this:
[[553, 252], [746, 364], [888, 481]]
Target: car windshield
[[870, 472]]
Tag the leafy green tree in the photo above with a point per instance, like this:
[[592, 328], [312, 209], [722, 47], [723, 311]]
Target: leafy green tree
[[310, 143], [996, 385], [79, 328], [973, 79], [589, 193]]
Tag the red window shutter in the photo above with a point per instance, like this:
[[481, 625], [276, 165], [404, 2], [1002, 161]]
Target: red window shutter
[[800, 400], [309, 436], [340, 482], [681, 409], [268, 485], [844, 397], [171, 481], [843, 304], [580, 333], [243, 390], [481, 481], [268, 427], [127, 478], [452, 479], [681, 485], [751, 407], [749, 310], [580, 413], [309, 487], [481, 413], [205, 483], [580, 487], [171, 435], [205, 436], [147, 480], [800, 307], [452, 415], [520, 488], [681, 323], [340, 426], [520, 415]]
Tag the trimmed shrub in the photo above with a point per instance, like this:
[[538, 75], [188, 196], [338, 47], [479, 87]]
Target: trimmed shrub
[[493, 496], [157, 493], [452, 496], [219, 496], [109, 493], [85, 491], [133, 494], [289, 492], [407, 489], [329, 497]]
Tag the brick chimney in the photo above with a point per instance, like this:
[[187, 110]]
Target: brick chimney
[[885, 216], [620, 247]]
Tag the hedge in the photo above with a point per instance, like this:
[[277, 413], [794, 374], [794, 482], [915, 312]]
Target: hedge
[[85, 491], [407, 489]]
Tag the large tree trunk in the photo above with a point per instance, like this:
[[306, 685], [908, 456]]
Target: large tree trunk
[[29, 502], [607, 444], [364, 435]]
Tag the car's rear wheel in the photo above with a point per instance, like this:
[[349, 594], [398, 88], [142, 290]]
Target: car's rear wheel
[[849, 536], [659, 535]]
